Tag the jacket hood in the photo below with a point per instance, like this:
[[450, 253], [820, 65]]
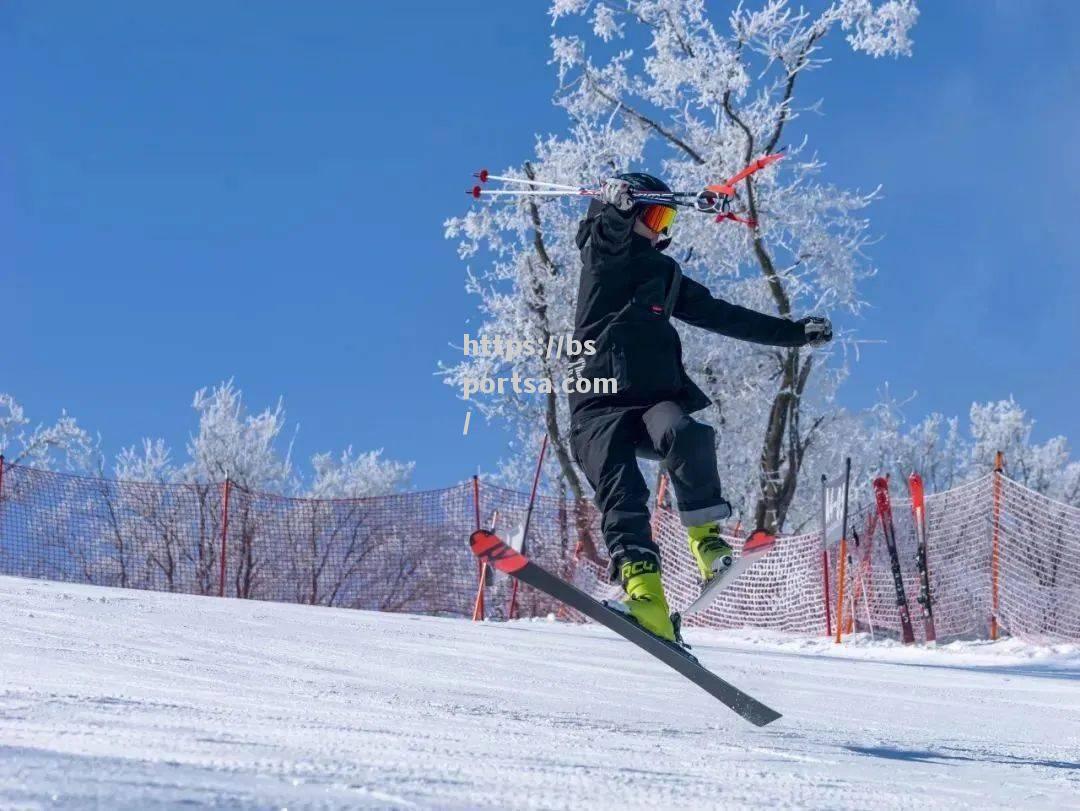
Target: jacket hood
[[584, 230], [585, 227]]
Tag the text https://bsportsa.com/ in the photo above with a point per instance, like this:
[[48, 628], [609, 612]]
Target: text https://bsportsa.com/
[[509, 349]]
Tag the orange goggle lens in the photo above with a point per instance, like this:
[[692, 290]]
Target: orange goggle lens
[[658, 218]]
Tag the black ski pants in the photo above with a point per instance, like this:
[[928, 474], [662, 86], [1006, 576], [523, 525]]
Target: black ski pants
[[606, 444]]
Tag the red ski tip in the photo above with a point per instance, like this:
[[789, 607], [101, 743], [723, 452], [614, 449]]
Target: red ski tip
[[475, 192], [482, 174], [487, 546]]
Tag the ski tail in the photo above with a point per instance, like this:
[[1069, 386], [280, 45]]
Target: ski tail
[[759, 544], [884, 508], [489, 548]]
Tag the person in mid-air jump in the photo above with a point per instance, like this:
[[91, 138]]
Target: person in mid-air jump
[[628, 292]]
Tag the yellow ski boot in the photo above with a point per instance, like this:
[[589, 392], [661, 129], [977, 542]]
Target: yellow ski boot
[[645, 601], [712, 553]]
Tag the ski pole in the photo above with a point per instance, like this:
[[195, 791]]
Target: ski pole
[[485, 177], [478, 192]]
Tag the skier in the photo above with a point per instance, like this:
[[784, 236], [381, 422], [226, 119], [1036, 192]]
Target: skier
[[626, 295]]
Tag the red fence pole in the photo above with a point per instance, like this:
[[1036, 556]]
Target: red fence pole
[[224, 534], [511, 612], [478, 604], [661, 493]]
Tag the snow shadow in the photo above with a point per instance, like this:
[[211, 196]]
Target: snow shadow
[[928, 756], [1040, 670]]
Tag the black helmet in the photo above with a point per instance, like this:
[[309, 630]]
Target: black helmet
[[641, 182]]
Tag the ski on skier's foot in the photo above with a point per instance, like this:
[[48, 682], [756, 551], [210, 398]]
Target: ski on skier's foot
[[678, 644], [758, 545], [487, 546]]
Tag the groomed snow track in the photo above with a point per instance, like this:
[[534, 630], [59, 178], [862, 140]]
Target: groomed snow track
[[129, 699]]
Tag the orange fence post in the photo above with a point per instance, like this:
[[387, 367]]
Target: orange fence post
[[1, 479], [478, 604], [995, 554], [227, 486]]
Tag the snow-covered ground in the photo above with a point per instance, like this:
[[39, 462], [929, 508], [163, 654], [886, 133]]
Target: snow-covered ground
[[129, 699]]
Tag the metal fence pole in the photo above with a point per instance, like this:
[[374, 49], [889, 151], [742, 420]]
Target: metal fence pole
[[995, 554], [1, 480], [227, 486]]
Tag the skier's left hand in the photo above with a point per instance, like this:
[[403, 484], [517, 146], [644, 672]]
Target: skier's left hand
[[818, 330]]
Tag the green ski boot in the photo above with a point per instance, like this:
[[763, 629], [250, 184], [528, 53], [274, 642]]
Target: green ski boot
[[712, 553], [645, 601]]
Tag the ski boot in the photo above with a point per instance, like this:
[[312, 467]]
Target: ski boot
[[645, 603], [713, 555]]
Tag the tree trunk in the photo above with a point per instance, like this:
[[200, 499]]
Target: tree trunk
[[538, 306]]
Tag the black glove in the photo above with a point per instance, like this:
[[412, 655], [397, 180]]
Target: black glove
[[818, 330]]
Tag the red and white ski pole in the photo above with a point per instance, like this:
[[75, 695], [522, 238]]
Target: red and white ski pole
[[713, 199]]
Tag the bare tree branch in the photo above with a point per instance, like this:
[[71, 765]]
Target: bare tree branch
[[671, 137]]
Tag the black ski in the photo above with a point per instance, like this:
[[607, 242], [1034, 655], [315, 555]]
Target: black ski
[[487, 546], [918, 514], [881, 492]]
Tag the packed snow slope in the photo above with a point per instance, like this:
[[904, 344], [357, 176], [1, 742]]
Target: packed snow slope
[[127, 699]]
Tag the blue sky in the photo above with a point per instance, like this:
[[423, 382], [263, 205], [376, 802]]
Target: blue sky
[[191, 192]]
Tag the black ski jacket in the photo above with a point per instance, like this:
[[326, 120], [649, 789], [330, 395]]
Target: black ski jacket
[[622, 307]]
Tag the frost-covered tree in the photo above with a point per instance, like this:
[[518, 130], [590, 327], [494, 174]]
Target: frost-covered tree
[[693, 94], [946, 456], [330, 538], [1046, 468], [349, 476], [248, 448], [63, 444]]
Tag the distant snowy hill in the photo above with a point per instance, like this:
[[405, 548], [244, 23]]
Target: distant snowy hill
[[129, 699]]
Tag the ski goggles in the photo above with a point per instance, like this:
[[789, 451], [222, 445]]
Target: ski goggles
[[657, 218]]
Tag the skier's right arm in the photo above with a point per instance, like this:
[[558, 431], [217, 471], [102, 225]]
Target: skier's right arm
[[615, 223], [698, 307], [612, 230]]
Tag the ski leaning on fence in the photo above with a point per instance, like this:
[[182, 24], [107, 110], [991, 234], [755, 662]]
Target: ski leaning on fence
[[918, 509], [758, 545], [884, 508], [487, 546]]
